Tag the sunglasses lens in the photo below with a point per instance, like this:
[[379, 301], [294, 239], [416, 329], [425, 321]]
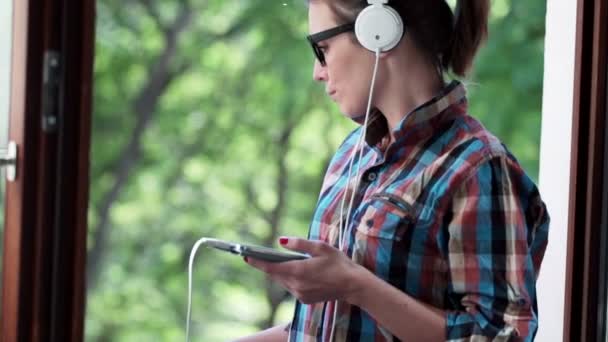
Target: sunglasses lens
[[323, 35], [319, 54]]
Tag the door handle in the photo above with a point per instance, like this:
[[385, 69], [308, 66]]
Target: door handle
[[8, 160]]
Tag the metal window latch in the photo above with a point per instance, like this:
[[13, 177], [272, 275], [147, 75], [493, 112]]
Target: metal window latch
[[8, 160]]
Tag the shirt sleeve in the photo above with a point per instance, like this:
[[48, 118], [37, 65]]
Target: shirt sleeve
[[490, 249]]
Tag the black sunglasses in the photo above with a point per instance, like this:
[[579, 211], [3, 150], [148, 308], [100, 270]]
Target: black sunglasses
[[315, 39]]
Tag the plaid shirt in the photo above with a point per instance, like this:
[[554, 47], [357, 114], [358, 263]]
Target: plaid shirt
[[445, 214]]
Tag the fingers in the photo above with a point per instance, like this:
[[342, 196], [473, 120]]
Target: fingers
[[314, 248], [267, 267], [278, 268]]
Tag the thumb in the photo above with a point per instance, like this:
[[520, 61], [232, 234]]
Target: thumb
[[314, 248]]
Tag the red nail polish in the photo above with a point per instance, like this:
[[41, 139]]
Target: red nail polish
[[283, 240]]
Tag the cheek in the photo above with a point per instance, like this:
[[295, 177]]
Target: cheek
[[342, 57], [351, 66], [350, 72]]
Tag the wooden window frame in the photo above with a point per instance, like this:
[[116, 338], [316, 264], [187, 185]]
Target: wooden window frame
[[46, 207], [586, 274]]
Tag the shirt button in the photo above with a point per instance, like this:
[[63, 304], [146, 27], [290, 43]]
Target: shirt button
[[372, 176]]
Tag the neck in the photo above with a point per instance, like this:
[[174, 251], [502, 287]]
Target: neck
[[399, 95]]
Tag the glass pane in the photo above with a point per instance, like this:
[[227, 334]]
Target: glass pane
[[6, 26], [196, 133]]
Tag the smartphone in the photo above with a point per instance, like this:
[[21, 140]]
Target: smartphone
[[256, 252]]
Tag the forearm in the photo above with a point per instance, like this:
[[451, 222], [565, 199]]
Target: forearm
[[405, 317], [275, 334]]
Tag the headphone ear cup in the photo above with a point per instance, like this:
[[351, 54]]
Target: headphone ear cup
[[379, 27]]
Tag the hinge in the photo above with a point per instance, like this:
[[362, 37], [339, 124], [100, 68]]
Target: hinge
[[50, 90]]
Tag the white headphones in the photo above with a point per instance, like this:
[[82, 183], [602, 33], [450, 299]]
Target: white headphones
[[379, 26]]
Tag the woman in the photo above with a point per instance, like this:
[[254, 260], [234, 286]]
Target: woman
[[445, 233]]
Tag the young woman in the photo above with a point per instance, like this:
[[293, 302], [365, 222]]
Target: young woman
[[440, 234]]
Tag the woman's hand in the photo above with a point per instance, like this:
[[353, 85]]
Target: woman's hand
[[328, 275]]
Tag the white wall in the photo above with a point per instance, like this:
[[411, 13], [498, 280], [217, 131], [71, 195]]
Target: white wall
[[6, 14], [554, 177]]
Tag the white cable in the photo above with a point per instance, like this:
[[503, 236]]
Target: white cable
[[359, 147], [363, 134], [341, 237], [192, 254], [347, 186]]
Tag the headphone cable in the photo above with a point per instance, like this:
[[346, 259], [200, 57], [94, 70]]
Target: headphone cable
[[358, 147], [189, 312], [342, 236]]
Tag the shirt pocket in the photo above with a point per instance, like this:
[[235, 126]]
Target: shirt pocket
[[380, 237], [387, 217]]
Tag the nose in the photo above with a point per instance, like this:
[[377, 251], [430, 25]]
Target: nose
[[319, 72]]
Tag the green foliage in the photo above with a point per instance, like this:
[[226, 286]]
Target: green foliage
[[234, 146], [507, 91]]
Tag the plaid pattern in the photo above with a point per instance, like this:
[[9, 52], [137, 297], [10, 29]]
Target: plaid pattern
[[447, 215]]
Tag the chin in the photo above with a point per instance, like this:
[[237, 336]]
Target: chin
[[352, 112]]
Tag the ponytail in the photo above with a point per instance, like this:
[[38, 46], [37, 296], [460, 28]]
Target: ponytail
[[470, 31]]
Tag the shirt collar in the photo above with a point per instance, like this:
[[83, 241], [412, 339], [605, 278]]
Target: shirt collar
[[377, 127]]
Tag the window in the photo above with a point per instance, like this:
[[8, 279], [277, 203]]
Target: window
[[167, 181]]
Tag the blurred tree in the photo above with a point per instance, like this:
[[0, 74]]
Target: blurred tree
[[207, 123]]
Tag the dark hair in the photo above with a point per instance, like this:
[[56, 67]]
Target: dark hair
[[452, 39]]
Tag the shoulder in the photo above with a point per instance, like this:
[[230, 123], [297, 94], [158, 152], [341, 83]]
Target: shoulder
[[478, 147], [469, 144], [475, 154]]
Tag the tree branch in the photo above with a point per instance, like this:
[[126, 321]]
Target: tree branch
[[253, 202], [274, 293], [143, 107], [123, 19], [152, 11]]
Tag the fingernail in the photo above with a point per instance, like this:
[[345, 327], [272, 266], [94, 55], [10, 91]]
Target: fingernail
[[245, 258], [283, 241]]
